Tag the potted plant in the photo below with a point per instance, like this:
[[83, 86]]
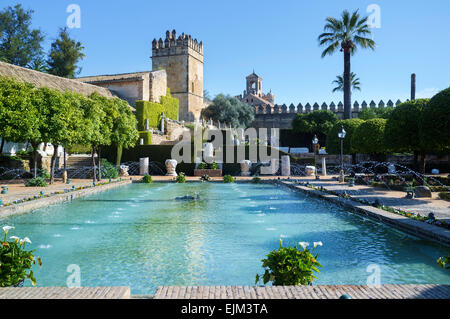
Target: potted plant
[[211, 170], [16, 261]]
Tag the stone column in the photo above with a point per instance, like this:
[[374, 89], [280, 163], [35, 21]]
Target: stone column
[[324, 166], [285, 165], [171, 166], [245, 167], [143, 166]]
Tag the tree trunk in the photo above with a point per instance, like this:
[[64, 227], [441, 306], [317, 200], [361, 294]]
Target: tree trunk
[[422, 161], [1, 146], [35, 152], [119, 155], [94, 173], [99, 165], [347, 86], [52, 167]]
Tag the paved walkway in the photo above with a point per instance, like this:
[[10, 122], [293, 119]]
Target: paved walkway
[[65, 293], [396, 199], [305, 292]]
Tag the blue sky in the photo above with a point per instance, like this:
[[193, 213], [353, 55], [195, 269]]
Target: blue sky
[[276, 39]]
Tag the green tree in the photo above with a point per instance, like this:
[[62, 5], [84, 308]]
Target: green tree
[[375, 113], [368, 138], [317, 122], [346, 34], [355, 84], [230, 110], [402, 133], [64, 55], [20, 120], [435, 124], [61, 121], [19, 44], [123, 133], [333, 140]]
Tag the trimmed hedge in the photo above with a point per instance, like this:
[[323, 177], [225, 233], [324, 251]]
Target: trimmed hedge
[[368, 138], [147, 136], [152, 111], [435, 124], [333, 140]]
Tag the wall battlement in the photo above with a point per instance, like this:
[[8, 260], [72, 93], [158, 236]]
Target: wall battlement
[[281, 116], [172, 43], [339, 108]]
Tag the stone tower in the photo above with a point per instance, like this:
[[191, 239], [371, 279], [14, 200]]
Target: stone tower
[[254, 84], [182, 58]]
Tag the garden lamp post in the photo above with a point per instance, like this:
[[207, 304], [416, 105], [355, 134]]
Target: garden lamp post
[[341, 135], [315, 141]]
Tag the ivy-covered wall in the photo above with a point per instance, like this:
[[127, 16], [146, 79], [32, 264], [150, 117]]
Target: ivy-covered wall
[[147, 136], [152, 111]]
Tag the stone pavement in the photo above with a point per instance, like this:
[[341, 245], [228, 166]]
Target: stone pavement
[[305, 292], [396, 199], [65, 293]]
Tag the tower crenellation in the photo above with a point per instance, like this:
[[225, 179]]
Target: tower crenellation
[[172, 44]]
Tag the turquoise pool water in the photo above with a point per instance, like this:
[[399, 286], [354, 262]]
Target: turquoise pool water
[[138, 236]]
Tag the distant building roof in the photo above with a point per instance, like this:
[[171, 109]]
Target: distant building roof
[[40, 79]]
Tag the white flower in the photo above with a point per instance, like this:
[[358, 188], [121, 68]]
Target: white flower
[[317, 243], [25, 240], [303, 244], [6, 229], [15, 237]]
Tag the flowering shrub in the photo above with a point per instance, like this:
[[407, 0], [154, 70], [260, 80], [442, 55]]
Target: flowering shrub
[[444, 262], [16, 261], [290, 266]]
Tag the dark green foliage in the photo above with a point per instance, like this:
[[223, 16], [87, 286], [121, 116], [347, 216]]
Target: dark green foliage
[[36, 182], [373, 113], [355, 84], [229, 110], [19, 44], [317, 122], [444, 262], [202, 165], [333, 140], [147, 136], [435, 125], [402, 132], [147, 179], [289, 266], [109, 170], [153, 111], [444, 195], [64, 55], [256, 180], [228, 179], [181, 178], [368, 138]]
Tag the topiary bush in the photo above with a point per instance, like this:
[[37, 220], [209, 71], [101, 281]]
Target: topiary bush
[[368, 138], [147, 179], [228, 179], [181, 178], [435, 124], [444, 195], [333, 145], [36, 182], [402, 132]]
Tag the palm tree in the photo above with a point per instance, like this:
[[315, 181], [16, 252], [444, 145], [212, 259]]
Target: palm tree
[[355, 84], [347, 33]]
